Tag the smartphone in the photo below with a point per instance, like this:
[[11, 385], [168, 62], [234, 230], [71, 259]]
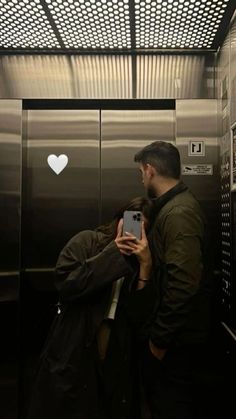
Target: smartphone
[[132, 223]]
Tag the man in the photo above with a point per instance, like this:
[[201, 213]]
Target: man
[[178, 331]]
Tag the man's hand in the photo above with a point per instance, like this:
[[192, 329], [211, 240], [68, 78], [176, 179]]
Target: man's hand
[[159, 353]]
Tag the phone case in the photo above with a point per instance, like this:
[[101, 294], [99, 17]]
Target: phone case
[[132, 223]]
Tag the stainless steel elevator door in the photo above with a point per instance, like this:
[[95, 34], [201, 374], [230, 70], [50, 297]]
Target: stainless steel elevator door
[[10, 177], [123, 133], [56, 207], [10, 170]]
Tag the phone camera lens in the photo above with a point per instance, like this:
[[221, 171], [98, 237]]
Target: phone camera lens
[[134, 217]]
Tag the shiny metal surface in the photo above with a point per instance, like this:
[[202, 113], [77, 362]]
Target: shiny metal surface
[[10, 185], [226, 92], [55, 207], [123, 133], [233, 71], [175, 76], [52, 76], [107, 76], [28, 76], [197, 120], [223, 66]]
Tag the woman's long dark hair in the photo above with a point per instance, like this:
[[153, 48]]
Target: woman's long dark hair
[[137, 204]]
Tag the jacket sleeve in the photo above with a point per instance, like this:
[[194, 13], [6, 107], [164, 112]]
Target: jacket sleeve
[[182, 242], [78, 274]]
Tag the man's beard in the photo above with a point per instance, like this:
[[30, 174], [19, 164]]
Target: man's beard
[[151, 192]]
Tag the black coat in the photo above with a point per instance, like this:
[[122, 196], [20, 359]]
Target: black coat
[[68, 383]]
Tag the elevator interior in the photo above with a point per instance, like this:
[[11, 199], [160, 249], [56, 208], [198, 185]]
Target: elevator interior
[[98, 104], [100, 177]]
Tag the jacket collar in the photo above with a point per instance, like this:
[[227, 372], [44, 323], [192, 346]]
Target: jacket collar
[[167, 196]]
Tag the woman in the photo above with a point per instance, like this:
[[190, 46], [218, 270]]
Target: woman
[[78, 367]]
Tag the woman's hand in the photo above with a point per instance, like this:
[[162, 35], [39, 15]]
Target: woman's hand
[[141, 248], [124, 243], [129, 244], [143, 254]]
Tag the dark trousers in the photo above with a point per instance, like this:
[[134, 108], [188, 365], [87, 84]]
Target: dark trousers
[[171, 387]]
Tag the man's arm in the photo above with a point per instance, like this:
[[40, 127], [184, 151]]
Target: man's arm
[[182, 237]]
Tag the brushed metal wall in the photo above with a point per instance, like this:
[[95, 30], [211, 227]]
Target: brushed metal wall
[[226, 87], [176, 76], [233, 70], [123, 133], [10, 166], [10, 186], [107, 76], [196, 120]]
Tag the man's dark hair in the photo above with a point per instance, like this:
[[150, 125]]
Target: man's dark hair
[[163, 156]]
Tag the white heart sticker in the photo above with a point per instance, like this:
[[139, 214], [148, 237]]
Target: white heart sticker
[[57, 164]]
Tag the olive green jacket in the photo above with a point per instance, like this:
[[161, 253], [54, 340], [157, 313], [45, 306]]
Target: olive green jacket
[[177, 242]]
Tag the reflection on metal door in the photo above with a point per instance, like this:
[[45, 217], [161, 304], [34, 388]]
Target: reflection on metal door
[[58, 200], [10, 177], [123, 133], [58, 205]]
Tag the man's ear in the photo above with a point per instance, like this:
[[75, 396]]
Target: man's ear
[[150, 170]]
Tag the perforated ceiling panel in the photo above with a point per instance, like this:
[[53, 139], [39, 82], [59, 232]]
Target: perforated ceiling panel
[[181, 24], [114, 25], [92, 24], [24, 24]]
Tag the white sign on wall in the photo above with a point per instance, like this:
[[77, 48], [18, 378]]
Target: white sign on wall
[[197, 169], [196, 148]]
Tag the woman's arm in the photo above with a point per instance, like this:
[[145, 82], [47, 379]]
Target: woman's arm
[[80, 272]]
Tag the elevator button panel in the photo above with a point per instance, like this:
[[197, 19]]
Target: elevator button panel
[[226, 235]]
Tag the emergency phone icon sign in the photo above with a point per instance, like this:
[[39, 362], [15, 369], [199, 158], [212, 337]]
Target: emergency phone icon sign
[[196, 148]]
